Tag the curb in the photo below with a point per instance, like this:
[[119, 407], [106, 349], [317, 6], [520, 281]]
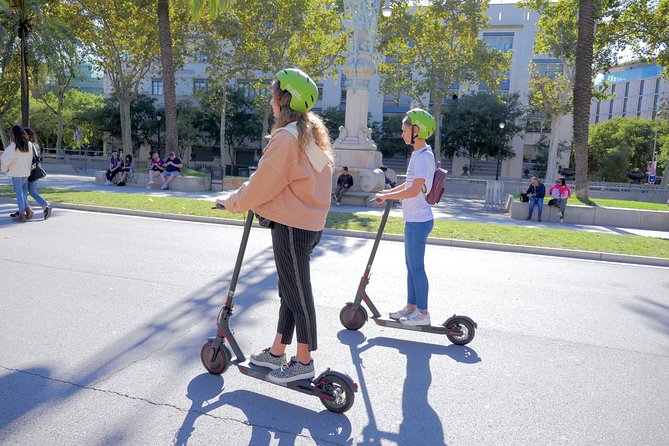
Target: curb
[[522, 249]]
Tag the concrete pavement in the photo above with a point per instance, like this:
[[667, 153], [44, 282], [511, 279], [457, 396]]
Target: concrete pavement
[[103, 316]]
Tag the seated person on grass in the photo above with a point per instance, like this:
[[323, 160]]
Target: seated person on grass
[[127, 169], [155, 169], [173, 165]]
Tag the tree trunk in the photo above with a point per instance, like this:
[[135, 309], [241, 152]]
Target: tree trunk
[[438, 100], [551, 165], [265, 125], [126, 128], [3, 134], [224, 156], [59, 118], [583, 92], [169, 84], [25, 81]]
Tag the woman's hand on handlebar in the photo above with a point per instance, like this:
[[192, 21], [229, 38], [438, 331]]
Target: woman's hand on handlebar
[[220, 206]]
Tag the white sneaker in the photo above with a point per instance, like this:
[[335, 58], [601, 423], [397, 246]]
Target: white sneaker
[[397, 315], [108, 183], [416, 318], [337, 204], [148, 186], [150, 182], [562, 220]]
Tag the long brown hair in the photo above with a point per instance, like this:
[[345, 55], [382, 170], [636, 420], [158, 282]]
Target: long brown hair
[[308, 124], [20, 138]]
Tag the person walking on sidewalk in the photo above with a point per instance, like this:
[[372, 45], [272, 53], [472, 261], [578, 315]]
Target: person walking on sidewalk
[[30, 187], [16, 162], [536, 193], [417, 126], [291, 188]]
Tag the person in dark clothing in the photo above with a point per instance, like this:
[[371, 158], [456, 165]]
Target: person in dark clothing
[[344, 183], [115, 166], [536, 193]]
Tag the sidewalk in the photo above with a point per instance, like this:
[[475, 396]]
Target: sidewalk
[[452, 208]]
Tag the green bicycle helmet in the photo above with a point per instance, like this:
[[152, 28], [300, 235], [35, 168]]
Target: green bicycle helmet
[[423, 120], [301, 87]]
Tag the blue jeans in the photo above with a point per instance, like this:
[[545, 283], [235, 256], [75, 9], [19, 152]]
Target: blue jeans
[[415, 237], [17, 183], [539, 202], [31, 188]]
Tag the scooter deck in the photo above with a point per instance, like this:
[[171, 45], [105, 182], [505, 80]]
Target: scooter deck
[[254, 371], [392, 323]]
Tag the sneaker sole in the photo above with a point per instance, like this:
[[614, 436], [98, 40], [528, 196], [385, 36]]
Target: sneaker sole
[[273, 379], [414, 324], [267, 365]]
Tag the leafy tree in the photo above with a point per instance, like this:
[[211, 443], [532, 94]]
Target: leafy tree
[[307, 34], [627, 140], [431, 48], [557, 36], [107, 119], [541, 159], [472, 126], [121, 34], [35, 26], [9, 79]]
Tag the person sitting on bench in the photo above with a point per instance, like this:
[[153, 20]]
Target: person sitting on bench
[[344, 183]]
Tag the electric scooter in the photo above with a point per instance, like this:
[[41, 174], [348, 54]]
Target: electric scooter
[[460, 330], [336, 390]]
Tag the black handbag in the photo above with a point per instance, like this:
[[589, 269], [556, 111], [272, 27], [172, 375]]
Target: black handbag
[[36, 171], [552, 202]]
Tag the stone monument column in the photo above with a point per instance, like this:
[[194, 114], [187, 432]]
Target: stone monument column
[[354, 147]]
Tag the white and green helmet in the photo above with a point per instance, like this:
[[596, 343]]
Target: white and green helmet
[[423, 120], [301, 87]]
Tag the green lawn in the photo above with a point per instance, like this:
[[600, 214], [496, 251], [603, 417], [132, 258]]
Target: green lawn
[[505, 234], [574, 200]]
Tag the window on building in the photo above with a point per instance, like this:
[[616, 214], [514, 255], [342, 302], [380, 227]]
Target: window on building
[[200, 56], [502, 41], [157, 87], [199, 86], [549, 68], [638, 107], [342, 85]]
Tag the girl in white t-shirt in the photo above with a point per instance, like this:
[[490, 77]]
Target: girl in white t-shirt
[[417, 126]]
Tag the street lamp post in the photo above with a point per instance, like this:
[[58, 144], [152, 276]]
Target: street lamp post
[[653, 166], [158, 118], [502, 124]]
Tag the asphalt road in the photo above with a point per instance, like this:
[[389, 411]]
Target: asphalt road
[[102, 318]]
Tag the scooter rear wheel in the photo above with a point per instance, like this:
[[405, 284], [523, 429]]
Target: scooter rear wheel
[[342, 396], [463, 326], [352, 319], [222, 361]]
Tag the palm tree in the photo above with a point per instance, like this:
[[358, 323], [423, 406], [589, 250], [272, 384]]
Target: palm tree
[[215, 7], [169, 84], [26, 20], [583, 92]]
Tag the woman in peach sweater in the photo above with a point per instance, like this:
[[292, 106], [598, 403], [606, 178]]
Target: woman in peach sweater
[[291, 188]]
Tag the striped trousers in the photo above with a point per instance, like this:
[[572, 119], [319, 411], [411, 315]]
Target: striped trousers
[[292, 251]]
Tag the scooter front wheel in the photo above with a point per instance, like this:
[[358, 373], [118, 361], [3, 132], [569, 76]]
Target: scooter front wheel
[[460, 331], [351, 318], [340, 396], [222, 361]]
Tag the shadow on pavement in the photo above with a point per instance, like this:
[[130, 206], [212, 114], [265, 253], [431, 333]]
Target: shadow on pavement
[[22, 391], [420, 420], [261, 411], [656, 313]]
